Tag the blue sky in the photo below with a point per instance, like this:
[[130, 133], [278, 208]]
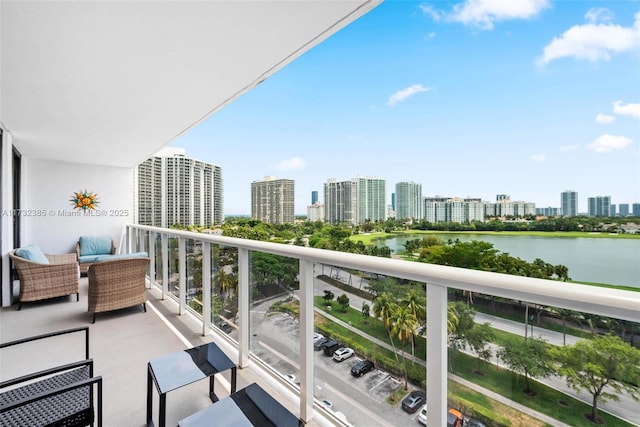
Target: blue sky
[[472, 98]]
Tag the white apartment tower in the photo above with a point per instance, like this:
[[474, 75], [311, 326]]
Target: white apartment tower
[[569, 203], [372, 199], [340, 201], [172, 188], [272, 200], [408, 201]]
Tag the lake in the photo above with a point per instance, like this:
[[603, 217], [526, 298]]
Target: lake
[[612, 261]]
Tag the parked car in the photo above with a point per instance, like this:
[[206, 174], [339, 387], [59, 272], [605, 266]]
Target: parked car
[[362, 367], [474, 423], [331, 346], [317, 336], [412, 402], [317, 345], [342, 354], [422, 416], [454, 418]]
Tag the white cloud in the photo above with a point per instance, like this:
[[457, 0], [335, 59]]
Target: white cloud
[[598, 14], [484, 13], [632, 110], [429, 10], [604, 118], [572, 147], [607, 143], [537, 158], [291, 164], [593, 41], [403, 94]]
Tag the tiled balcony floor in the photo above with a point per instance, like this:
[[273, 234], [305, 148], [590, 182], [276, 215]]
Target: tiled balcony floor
[[121, 344]]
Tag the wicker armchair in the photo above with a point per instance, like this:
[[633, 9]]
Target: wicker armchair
[[59, 396], [117, 284], [42, 281]]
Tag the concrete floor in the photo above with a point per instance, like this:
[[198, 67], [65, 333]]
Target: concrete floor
[[121, 344]]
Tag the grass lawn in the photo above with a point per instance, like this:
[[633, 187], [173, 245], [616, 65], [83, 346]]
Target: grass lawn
[[547, 400]]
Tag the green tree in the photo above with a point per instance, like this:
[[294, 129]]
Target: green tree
[[478, 339], [416, 303], [528, 357], [594, 365], [366, 312], [343, 301], [328, 296], [383, 305], [403, 326]]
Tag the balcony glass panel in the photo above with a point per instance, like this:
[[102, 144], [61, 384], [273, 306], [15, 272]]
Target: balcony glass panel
[[388, 331], [274, 313], [157, 243], [174, 263], [194, 274], [224, 285]]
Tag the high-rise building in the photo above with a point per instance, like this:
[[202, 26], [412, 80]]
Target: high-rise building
[[408, 203], [612, 210], [371, 200], [623, 209], [444, 209], [340, 201], [172, 188], [315, 212], [635, 209], [393, 201], [599, 206], [356, 201], [314, 197], [569, 203], [272, 200]]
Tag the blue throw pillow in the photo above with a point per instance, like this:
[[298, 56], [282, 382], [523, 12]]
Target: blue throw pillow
[[92, 245], [32, 253]]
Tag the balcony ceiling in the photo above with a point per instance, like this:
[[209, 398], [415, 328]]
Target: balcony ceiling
[[112, 82]]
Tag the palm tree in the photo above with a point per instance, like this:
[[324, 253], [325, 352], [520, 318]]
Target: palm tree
[[416, 303], [452, 318], [382, 308], [404, 324], [223, 281]]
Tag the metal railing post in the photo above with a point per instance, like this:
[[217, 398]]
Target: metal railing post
[[437, 355], [307, 357], [243, 307]]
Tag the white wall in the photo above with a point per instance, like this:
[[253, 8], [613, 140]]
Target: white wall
[[6, 221], [48, 186]]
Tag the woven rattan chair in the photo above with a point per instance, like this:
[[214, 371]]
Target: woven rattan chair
[[59, 396], [117, 284], [42, 281]]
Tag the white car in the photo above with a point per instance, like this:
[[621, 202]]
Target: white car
[[317, 336], [342, 354], [422, 416]]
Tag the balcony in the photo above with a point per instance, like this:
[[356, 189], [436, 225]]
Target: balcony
[[183, 278]]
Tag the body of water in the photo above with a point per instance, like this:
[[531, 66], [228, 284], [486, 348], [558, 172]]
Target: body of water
[[612, 261]]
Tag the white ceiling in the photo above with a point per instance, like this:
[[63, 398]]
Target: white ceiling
[[112, 82]]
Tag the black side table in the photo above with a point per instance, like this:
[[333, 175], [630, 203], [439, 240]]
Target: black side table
[[178, 369]]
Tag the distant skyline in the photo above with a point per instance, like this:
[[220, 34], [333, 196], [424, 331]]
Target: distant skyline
[[470, 99]]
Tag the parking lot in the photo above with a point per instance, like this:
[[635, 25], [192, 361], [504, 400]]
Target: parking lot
[[362, 400]]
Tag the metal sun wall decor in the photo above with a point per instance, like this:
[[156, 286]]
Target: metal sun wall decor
[[84, 200]]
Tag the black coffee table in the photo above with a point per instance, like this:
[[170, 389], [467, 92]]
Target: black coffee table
[[179, 369], [251, 406]]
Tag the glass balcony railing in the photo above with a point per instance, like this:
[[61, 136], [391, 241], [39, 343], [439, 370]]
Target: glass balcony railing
[[431, 330]]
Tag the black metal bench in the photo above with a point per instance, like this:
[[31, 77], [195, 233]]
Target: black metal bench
[[59, 396]]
